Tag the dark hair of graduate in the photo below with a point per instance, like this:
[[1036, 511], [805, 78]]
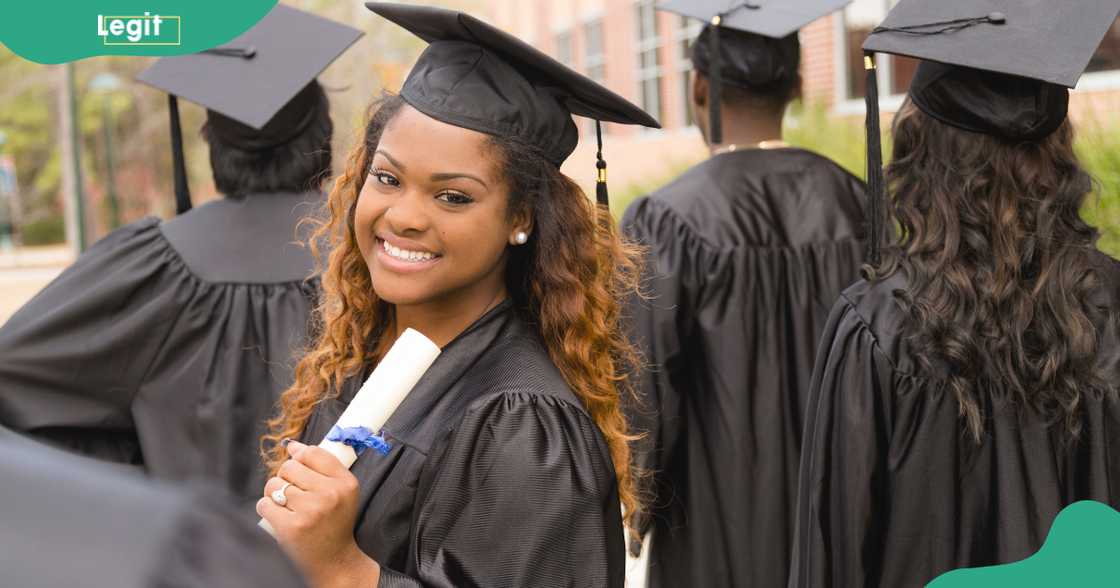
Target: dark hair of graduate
[[998, 265], [567, 281], [772, 97], [299, 165]]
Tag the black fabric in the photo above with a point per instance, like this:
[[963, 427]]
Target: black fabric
[[286, 125], [145, 351], [1001, 105], [894, 493], [1045, 41], [479, 77], [747, 252], [749, 60], [496, 477], [68, 521]]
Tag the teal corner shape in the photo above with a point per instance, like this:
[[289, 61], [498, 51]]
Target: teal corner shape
[[68, 30], [1082, 549]]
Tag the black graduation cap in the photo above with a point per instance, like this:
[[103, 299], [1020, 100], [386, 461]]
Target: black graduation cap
[[259, 88], [751, 44], [999, 67], [476, 76]]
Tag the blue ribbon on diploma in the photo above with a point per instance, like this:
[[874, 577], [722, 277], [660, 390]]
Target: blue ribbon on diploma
[[360, 439]]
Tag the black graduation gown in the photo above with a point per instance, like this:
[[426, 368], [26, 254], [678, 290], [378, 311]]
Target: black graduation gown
[[893, 493], [747, 252], [67, 521], [168, 344], [497, 476]]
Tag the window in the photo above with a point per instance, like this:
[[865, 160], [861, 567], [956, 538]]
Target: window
[[564, 51], [895, 71], [683, 37], [1107, 56], [594, 57], [649, 58]]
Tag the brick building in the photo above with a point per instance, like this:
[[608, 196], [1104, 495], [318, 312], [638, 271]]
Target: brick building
[[642, 54]]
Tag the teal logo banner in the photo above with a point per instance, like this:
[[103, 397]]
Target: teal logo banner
[[69, 30], [1082, 549]]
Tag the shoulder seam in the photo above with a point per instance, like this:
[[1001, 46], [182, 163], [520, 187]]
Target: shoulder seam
[[866, 326]]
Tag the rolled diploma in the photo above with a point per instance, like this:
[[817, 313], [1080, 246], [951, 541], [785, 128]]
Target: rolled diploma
[[394, 377]]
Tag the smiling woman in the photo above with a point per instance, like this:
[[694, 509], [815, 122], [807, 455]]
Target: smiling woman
[[438, 227], [506, 464]]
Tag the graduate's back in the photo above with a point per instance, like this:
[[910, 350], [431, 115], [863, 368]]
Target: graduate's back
[[746, 252], [167, 344], [967, 392], [895, 487]]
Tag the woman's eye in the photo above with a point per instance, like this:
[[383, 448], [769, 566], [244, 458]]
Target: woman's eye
[[457, 198], [385, 178]]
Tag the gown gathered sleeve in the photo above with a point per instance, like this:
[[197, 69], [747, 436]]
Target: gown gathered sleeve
[[167, 344], [660, 319], [521, 493], [72, 359], [843, 464]]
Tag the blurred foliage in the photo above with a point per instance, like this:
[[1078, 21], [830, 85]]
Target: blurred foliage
[[842, 140], [1098, 147], [45, 231], [623, 196]]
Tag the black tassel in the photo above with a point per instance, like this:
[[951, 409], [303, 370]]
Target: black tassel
[[601, 195], [715, 88], [178, 163], [875, 191]]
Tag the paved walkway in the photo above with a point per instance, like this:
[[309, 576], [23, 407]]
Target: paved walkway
[[23, 272]]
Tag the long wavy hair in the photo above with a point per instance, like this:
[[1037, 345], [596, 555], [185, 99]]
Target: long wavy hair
[[566, 282], [999, 267]]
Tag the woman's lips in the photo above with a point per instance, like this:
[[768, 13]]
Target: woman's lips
[[401, 260]]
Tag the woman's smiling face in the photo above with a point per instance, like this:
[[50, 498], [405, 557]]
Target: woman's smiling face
[[431, 219]]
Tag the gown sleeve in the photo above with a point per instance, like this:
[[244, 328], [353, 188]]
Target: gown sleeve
[[658, 321], [521, 494], [842, 495], [72, 358]]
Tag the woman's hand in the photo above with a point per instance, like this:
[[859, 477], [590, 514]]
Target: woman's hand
[[316, 524]]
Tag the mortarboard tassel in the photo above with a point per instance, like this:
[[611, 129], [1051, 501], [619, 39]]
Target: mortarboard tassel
[[182, 190], [715, 88], [875, 191], [601, 195]]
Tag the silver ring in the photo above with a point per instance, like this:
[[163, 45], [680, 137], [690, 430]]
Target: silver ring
[[279, 497]]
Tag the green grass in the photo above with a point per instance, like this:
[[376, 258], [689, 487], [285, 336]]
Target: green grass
[[1098, 147], [842, 140]]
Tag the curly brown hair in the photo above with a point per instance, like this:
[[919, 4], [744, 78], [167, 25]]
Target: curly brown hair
[[566, 282], [999, 267]]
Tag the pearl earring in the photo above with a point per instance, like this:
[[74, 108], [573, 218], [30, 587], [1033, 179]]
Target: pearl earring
[[521, 238]]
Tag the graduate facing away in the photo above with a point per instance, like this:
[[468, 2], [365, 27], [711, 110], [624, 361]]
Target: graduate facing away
[[747, 251], [167, 344], [967, 391], [506, 464]]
